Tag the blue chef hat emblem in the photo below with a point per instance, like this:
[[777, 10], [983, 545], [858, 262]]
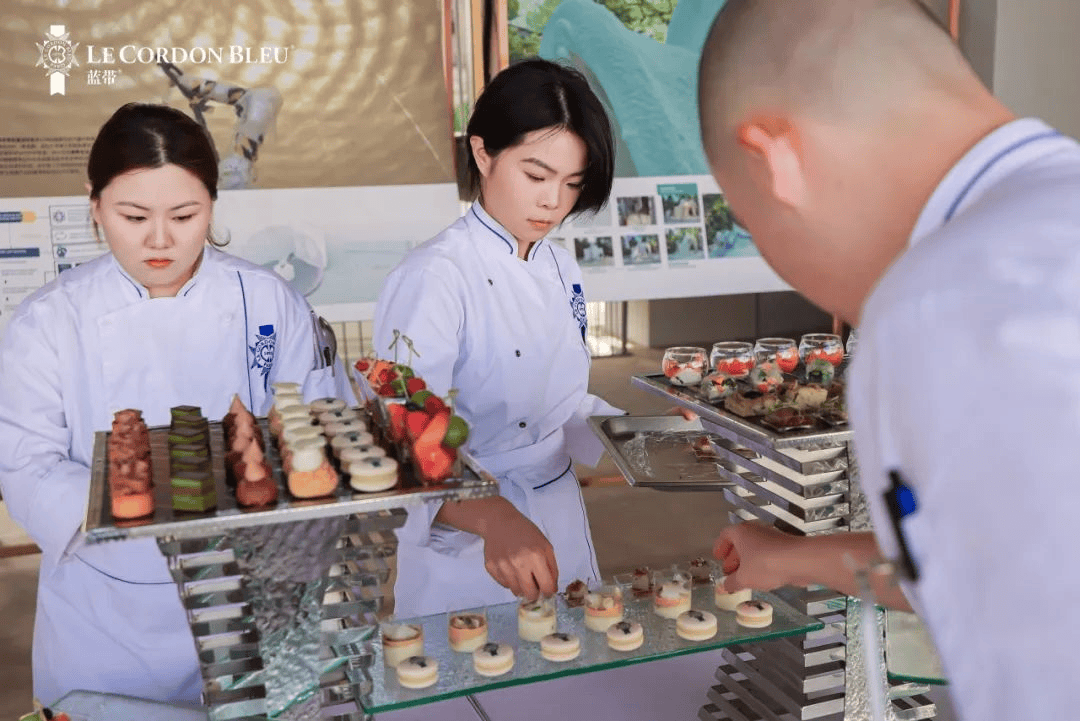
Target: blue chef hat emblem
[[262, 352], [577, 305]]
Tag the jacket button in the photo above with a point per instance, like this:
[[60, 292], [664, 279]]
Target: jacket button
[[517, 353], [521, 425]]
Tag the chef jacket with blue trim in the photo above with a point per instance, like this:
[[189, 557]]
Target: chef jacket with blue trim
[[509, 334], [91, 343], [966, 382]]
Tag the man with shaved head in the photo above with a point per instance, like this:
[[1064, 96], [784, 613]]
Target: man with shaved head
[[883, 181]]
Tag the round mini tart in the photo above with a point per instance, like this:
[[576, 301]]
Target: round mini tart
[[345, 414], [696, 625], [351, 454], [352, 438], [284, 400], [290, 414], [493, 659], [307, 454], [285, 387], [291, 433], [560, 647], [401, 641], [728, 601], [372, 474], [337, 428], [418, 672], [467, 631], [536, 619], [754, 614], [327, 405], [625, 635]]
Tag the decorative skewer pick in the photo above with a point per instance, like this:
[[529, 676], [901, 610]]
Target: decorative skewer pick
[[409, 345], [394, 343]]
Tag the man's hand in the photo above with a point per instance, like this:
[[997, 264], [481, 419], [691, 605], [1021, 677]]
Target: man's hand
[[755, 556]]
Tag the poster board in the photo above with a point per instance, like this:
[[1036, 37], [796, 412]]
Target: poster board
[[332, 122]]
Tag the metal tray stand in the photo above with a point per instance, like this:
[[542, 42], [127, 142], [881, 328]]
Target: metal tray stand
[[282, 601], [804, 482]]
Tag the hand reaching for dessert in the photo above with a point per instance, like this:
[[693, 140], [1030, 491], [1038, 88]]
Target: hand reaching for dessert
[[754, 555], [684, 412], [519, 556], [516, 553]]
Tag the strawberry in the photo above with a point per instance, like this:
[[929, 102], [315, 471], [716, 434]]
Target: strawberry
[[415, 423], [362, 365], [670, 368], [397, 420], [436, 430], [435, 463], [414, 385], [433, 405], [387, 391]]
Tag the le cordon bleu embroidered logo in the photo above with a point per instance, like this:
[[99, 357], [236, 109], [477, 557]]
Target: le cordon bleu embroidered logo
[[57, 56]]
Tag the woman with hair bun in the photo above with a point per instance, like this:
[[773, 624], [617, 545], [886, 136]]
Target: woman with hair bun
[[162, 319]]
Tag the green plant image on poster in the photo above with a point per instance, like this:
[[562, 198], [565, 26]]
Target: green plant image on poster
[[724, 237], [641, 58]]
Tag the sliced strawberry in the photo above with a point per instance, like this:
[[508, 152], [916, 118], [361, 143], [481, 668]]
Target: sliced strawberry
[[397, 420], [433, 405], [414, 385], [671, 368], [362, 365], [435, 431], [387, 391], [435, 463], [415, 423]]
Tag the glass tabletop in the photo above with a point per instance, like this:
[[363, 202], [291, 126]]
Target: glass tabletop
[[910, 654], [457, 677]]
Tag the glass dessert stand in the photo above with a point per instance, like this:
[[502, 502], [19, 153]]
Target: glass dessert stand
[[804, 482], [458, 678], [281, 600]]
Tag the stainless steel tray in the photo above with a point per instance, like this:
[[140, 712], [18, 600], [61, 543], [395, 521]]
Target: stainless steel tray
[[747, 430], [655, 451], [474, 482]]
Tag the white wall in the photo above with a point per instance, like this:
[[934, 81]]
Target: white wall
[[1037, 60]]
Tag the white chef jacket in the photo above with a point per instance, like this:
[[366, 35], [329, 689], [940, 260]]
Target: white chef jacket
[[967, 382], [82, 347], [509, 334]]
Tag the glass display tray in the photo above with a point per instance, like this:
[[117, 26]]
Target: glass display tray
[[910, 654], [457, 677], [99, 526], [746, 428]]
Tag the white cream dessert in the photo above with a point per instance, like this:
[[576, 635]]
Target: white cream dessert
[[671, 599], [536, 619], [400, 641]]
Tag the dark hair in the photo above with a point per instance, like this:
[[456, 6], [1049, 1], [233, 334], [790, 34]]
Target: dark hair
[[536, 94], [142, 135]]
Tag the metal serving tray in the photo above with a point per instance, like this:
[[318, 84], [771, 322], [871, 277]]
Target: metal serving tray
[[749, 432], [656, 452], [474, 482]]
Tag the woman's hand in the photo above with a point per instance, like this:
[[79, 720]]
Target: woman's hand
[[516, 553], [518, 556]]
